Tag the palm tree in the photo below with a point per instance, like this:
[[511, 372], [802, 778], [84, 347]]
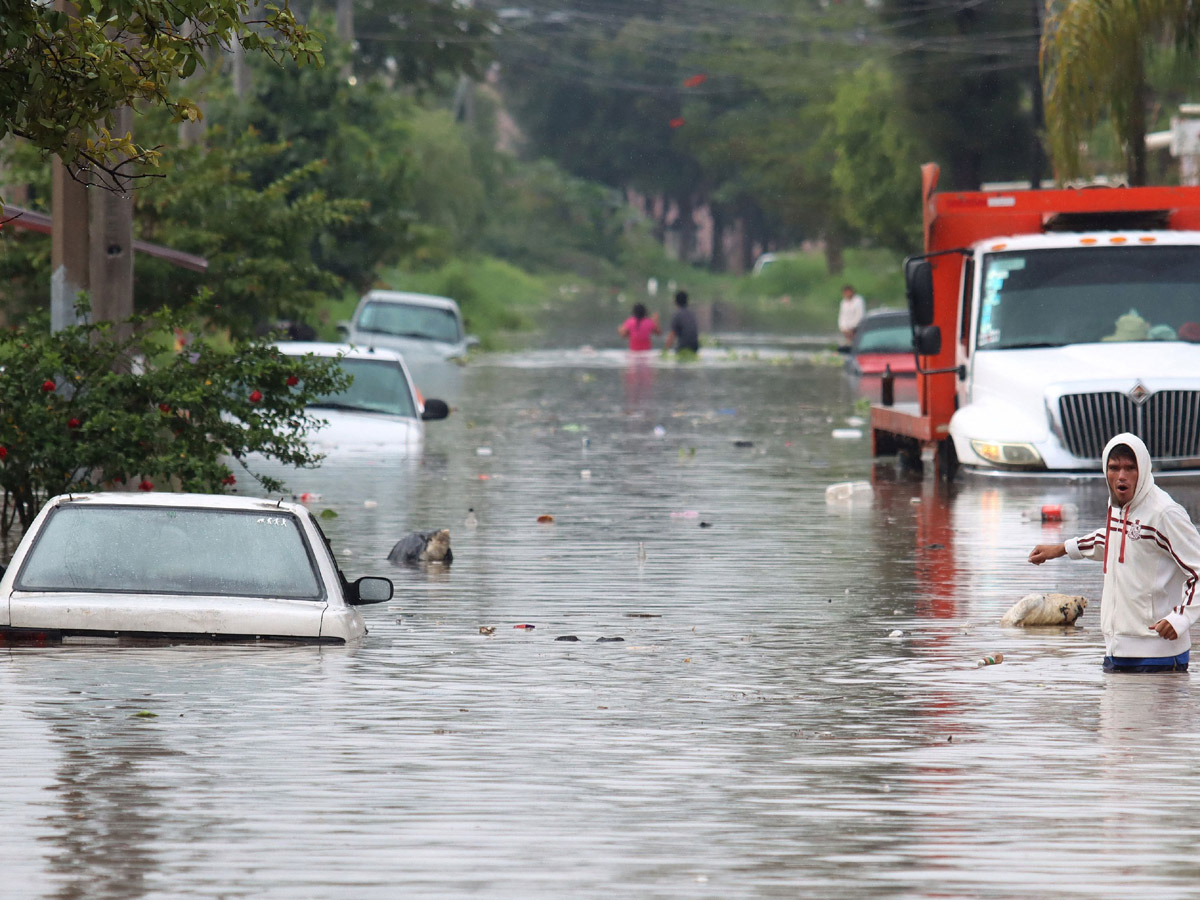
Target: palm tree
[[1094, 61]]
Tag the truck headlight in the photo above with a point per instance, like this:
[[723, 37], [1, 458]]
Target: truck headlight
[[1002, 454]]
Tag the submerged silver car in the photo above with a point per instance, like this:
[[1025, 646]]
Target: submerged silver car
[[181, 567]]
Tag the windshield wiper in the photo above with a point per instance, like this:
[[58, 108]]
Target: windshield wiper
[[333, 404], [1030, 345]]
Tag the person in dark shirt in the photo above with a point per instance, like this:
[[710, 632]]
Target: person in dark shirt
[[684, 333]]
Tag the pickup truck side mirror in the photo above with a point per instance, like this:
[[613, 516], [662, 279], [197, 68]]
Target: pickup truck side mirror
[[927, 340], [369, 590], [918, 285], [435, 409]]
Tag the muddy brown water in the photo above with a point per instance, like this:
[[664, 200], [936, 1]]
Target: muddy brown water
[[756, 732]]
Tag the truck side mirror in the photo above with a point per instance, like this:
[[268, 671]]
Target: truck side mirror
[[918, 284], [434, 410], [927, 340]]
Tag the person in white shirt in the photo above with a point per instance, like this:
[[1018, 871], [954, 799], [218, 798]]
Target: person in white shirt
[[850, 313], [1151, 555]]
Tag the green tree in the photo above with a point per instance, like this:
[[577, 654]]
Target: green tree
[[63, 77], [1094, 62], [85, 409], [876, 173]]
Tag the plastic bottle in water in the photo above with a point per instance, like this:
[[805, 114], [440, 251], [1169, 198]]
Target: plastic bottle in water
[[1051, 512], [991, 659]]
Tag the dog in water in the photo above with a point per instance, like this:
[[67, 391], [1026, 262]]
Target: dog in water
[[422, 547], [1045, 609]]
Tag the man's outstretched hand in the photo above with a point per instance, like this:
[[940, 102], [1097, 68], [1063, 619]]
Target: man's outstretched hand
[[1043, 552]]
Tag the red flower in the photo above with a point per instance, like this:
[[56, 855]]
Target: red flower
[[47, 385], [165, 407], [228, 479], [255, 396], [73, 423], [677, 122], [3, 452], [292, 381], [145, 486]]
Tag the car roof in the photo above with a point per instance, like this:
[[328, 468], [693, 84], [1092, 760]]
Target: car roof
[[331, 349], [410, 298], [177, 500], [880, 315]]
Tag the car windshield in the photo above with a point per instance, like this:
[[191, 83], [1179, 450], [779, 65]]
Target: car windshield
[[156, 550], [379, 386], [430, 323], [1048, 298], [889, 335]]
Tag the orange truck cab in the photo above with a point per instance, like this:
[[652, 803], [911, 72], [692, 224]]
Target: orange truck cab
[[1046, 321]]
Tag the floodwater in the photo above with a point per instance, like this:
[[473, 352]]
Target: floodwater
[[757, 731]]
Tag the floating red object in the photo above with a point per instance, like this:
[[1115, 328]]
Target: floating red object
[[677, 122], [695, 80]]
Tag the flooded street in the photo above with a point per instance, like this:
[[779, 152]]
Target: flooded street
[[757, 730]]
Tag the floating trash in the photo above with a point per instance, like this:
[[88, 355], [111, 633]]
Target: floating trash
[[685, 514], [545, 518], [585, 473], [855, 421], [706, 525], [743, 443], [524, 627], [659, 431], [309, 498], [848, 493], [370, 504], [472, 520], [609, 640], [641, 554], [566, 637], [487, 629], [896, 633], [993, 659], [847, 434], [1051, 512], [587, 442], [483, 451]]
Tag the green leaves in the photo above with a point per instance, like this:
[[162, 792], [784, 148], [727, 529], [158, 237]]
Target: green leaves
[[59, 73]]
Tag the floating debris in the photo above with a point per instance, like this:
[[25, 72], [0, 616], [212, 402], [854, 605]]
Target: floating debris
[[524, 627], [896, 633], [472, 521], [849, 493], [993, 659], [545, 518], [487, 629], [483, 451], [566, 637], [609, 640], [847, 434]]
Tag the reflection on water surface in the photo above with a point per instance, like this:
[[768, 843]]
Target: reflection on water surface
[[756, 733]]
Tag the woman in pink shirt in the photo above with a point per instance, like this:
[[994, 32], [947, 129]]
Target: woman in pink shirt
[[639, 328]]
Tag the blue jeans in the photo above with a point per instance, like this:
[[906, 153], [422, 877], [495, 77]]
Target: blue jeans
[[1147, 664]]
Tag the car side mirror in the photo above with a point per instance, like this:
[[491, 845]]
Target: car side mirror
[[918, 286], [927, 340], [434, 409], [343, 329], [369, 590]]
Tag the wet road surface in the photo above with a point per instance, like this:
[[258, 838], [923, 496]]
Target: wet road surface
[[756, 732]]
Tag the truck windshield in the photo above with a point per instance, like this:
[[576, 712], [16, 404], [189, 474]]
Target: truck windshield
[[1082, 295], [379, 386]]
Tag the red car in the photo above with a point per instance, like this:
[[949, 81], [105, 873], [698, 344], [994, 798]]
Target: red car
[[883, 338]]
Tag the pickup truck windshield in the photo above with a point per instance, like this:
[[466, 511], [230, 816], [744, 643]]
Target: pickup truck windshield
[[430, 323], [156, 550], [1048, 298], [379, 386]]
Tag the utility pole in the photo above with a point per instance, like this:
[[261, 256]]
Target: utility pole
[[91, 246]]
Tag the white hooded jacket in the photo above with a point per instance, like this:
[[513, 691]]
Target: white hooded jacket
[[1151, 554]]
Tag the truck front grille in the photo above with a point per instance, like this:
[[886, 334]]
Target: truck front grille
[[1169, 422]]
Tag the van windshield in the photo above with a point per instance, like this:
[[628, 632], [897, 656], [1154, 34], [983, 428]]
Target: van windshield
[[1082, 295], [430, 323]]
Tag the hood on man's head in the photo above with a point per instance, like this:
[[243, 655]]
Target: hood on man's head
[[1145, 476]]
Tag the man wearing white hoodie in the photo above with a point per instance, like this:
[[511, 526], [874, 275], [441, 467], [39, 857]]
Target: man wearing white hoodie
[[1151, 555]]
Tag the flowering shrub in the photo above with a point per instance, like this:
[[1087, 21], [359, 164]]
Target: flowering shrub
[[87, 409]]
